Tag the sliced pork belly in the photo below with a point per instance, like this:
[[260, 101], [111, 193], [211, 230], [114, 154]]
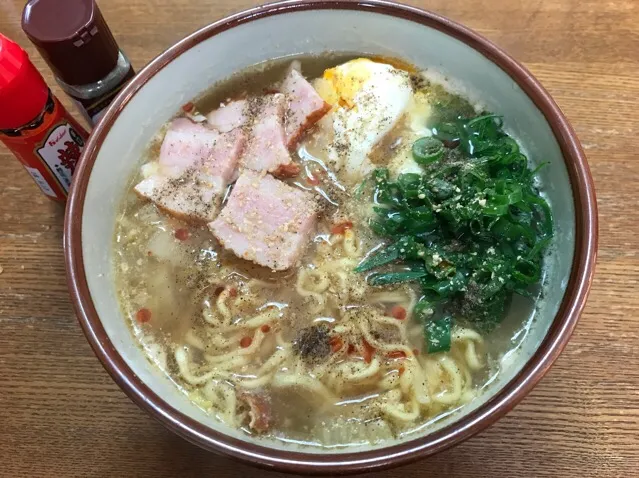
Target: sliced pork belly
[[228, 117], [192, 196], [185, 144], [266, 221], [305, 106], [195, 166], [266, 148]]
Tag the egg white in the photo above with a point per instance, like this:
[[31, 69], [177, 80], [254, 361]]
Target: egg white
[[368, 99]]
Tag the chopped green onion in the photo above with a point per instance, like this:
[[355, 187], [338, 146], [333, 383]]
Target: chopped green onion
[[437, 334], [385, 256], [395, 277], [469, 231], [427, 150], [360, 188]]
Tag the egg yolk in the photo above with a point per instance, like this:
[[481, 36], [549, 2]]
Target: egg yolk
[[340, 85]]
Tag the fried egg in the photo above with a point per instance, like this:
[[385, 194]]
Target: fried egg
[[368, 101]]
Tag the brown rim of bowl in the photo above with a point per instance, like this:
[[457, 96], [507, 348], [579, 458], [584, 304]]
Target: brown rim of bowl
[[309, 463]]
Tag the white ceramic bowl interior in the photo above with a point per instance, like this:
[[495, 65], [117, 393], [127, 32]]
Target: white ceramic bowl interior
[[309, 32]]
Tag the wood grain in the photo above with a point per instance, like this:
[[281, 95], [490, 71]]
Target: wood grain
[[61, 415]]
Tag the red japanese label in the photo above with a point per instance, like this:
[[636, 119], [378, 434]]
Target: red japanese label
[[49, 148], [60, 151]]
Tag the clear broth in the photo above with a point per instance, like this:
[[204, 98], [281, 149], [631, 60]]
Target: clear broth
[[176, 279]]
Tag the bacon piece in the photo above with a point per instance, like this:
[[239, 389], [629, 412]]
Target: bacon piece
[[185, 145], [260, 414], [195, 166], [190, 197], [305, 106], [284, 171], [367, 351], [341, 227], [266, 221], [228, 117], [266, 149]]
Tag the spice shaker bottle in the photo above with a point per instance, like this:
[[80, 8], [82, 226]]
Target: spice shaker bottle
[[74, 39], [34, 125]]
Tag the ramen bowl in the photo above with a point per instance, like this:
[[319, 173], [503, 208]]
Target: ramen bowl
[[290, 28]]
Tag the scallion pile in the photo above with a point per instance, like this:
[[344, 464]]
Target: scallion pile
[[471, 229]]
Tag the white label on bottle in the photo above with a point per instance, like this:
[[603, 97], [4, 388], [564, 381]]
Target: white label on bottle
[[61, 151], [40, 181]]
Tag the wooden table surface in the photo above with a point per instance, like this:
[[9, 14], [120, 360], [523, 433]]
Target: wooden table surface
[[62, 415]]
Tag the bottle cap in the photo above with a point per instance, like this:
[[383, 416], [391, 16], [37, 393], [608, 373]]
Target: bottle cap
[[23, 92], [73, 38]]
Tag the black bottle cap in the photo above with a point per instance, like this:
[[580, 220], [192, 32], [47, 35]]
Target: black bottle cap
[[73, 38]]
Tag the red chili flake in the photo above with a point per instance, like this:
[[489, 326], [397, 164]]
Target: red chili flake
[[246, 342], [402, 369], [143, 315], [398, 312], [336, 343], [149, 253], [266, 328], [342, 227], [315, 176], [270, 91], [351, 348], [182, 234], [369, 350], [396, 354], [188, 107], [415, 352], [313, 180], [219, 289], [232, 292]]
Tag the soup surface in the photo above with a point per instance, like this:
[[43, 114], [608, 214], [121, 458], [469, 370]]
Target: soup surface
[[332, 251]]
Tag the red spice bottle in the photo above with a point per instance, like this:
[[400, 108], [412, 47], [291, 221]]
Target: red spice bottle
[[35, 126]]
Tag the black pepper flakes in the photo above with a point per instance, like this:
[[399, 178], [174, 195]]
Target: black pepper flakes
[[312, 343]]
